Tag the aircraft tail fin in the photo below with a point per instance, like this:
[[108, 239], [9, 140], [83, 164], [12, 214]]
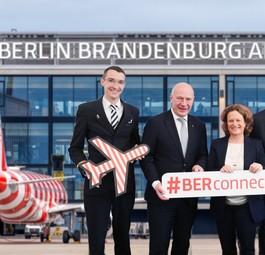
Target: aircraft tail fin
[[3, 164]]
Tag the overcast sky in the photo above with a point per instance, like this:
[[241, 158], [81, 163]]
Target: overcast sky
[[132, 15]]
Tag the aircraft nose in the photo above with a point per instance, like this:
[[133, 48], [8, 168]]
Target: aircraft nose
[[2, 183]]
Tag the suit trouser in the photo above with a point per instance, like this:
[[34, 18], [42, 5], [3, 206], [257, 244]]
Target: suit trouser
[[261, 232], [98, 209], [177, 218], [237, 223]]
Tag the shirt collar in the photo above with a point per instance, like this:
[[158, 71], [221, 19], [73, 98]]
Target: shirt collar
[[177, 117], [106, 103]]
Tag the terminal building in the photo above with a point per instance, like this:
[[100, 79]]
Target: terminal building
[[45, 76]]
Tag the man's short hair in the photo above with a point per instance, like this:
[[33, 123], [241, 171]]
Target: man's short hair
[[115, 68]]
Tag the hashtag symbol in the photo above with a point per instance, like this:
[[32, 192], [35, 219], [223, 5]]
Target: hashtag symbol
[[173, 185]]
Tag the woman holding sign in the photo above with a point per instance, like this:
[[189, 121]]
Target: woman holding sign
[[237, 216]]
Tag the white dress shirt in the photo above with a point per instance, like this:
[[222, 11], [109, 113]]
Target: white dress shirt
[[107, 109]]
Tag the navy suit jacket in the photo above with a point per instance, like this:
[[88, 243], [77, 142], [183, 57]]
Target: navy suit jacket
[[91, 121], [161, 135], [253, 152]]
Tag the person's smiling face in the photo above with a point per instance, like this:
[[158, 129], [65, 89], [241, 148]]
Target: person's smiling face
[[182, 98], [113, 84], [235, 123]]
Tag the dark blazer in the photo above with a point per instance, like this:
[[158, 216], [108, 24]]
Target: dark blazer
[[91, 121], [253, 152], [259, 126], [161, 135]]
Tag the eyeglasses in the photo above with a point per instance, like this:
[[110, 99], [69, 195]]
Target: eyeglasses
[[113, 81], [181, 99]]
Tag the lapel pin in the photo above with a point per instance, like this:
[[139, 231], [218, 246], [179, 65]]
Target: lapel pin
[[98, 117], [130, 122]]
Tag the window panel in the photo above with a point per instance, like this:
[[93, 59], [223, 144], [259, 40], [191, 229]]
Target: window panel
[[140, 181], [38, 143], [62, 134], [246, 90], [26, 96], [74, 186], [26, 143], [145, 93], [38, 96], [63, 90], [70, 92], [261, 94], [16, 97], [202, 86]]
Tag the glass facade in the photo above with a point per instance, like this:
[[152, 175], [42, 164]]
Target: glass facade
[[26, 143], [38, 113], [246, 90], [24, 96], [70, 91]]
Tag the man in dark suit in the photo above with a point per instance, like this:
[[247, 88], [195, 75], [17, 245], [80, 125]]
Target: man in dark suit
[[95, 119], [259, 132], [162, 134]]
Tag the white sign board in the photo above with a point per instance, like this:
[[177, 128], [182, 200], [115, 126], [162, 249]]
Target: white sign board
[[216, 183]]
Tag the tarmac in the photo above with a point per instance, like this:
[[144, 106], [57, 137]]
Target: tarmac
[[200, 245]]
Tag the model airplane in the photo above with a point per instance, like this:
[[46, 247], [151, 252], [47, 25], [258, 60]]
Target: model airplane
[[29, 197], [117, 161]]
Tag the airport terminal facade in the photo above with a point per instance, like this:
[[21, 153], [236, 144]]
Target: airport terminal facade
[[45, 76]]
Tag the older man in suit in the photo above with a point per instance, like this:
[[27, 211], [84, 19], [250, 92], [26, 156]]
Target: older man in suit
[[259, 132], [178, 143], [117, 123]]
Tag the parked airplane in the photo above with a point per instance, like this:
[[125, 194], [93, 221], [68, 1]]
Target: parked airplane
[[29, 197]]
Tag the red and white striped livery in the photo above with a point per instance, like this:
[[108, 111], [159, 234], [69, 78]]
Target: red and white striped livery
[[22, 200], [28, 197]]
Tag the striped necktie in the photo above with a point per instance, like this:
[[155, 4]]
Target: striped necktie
[[114, 116], [183, 135]]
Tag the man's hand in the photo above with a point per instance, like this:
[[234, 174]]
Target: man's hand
[[197, 168], [160, 191], [138, 158], [81, 170]]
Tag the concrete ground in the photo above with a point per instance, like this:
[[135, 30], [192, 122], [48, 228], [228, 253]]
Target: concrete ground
[[200, 245]]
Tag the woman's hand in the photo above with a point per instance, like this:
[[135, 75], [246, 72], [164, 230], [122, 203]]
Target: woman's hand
[[255, 167], [227, 169]]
